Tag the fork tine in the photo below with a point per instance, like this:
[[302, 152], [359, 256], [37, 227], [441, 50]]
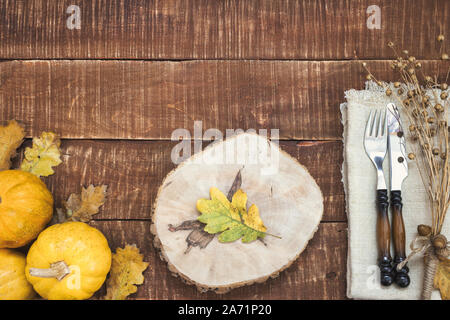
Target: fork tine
[[381, 122], [369, 124], [375, 124], [385, 123]]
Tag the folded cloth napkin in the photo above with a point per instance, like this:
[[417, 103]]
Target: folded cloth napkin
[[359, 180]]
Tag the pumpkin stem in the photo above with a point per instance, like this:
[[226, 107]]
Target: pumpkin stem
[[57, 270]]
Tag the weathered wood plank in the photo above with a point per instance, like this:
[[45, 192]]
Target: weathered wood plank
[[134, 170], [319, 273], [201, 29], [149, 100]]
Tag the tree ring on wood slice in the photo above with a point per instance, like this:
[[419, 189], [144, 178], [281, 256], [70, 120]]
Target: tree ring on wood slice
[[289, 200]]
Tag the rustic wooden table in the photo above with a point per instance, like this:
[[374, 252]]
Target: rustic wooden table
[[115, 78]]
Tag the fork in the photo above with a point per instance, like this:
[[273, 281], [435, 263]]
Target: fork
[[375, 144]]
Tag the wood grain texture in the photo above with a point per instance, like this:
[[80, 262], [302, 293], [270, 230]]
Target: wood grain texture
[[319, 272], [134, 170], [201, 29], [149, 100]]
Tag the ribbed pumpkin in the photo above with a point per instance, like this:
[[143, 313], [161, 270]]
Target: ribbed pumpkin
[[68, 261], [13, 283], [26, 206]]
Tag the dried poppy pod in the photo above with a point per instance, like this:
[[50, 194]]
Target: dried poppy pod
[[424, 230], [439, 108], [439, 241]]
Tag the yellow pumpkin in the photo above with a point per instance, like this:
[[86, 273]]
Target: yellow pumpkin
[[68, 261], [13, 283], [26, 206]]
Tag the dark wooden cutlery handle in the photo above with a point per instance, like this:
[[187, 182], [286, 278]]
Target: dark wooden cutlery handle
[[384, 239], [401, 277]]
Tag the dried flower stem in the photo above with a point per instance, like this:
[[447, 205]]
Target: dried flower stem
[[426, 109]]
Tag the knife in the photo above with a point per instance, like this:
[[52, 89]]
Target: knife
[[398, 172]]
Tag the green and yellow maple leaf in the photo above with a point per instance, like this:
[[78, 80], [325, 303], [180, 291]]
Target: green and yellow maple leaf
[[231, 218], [43, 155]]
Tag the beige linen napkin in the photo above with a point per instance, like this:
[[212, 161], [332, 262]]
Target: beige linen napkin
[[360, 183]]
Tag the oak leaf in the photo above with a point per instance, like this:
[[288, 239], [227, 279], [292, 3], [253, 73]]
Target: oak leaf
[[83, 207], [231, 218], [43, 155], [11, 137], [442, 278], [126, 272]]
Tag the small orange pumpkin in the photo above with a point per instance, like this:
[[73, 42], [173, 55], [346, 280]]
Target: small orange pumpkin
[[26, 206], [13, 282]]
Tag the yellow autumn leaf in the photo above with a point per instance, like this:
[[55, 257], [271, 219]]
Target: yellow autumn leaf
[[11, 137], [83, 207], [43, 155], [231, 219], [126, 272], [442, 278]]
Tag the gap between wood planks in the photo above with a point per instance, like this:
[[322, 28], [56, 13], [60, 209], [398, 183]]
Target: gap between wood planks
[[357, 59]]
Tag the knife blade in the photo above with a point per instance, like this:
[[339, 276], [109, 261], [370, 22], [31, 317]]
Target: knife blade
[[398, 172], [396, 148]]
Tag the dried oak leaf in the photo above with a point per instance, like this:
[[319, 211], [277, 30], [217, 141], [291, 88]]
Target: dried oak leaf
[[83, 207], [231, 218], [43, 155], [126, 272], [442, 278], [11, 137]]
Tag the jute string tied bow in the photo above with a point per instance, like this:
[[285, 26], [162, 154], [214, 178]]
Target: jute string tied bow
[[434, 248]]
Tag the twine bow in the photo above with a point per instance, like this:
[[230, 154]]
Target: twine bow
[[435, 248], [418, 245]]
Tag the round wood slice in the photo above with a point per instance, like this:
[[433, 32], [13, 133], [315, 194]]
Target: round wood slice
[[289, 200]]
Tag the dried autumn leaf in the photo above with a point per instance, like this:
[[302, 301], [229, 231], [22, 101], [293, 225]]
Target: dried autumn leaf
[[11, 137], [43, 155], [83, 207], [231, 218], [126, 272], [442, 278]]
